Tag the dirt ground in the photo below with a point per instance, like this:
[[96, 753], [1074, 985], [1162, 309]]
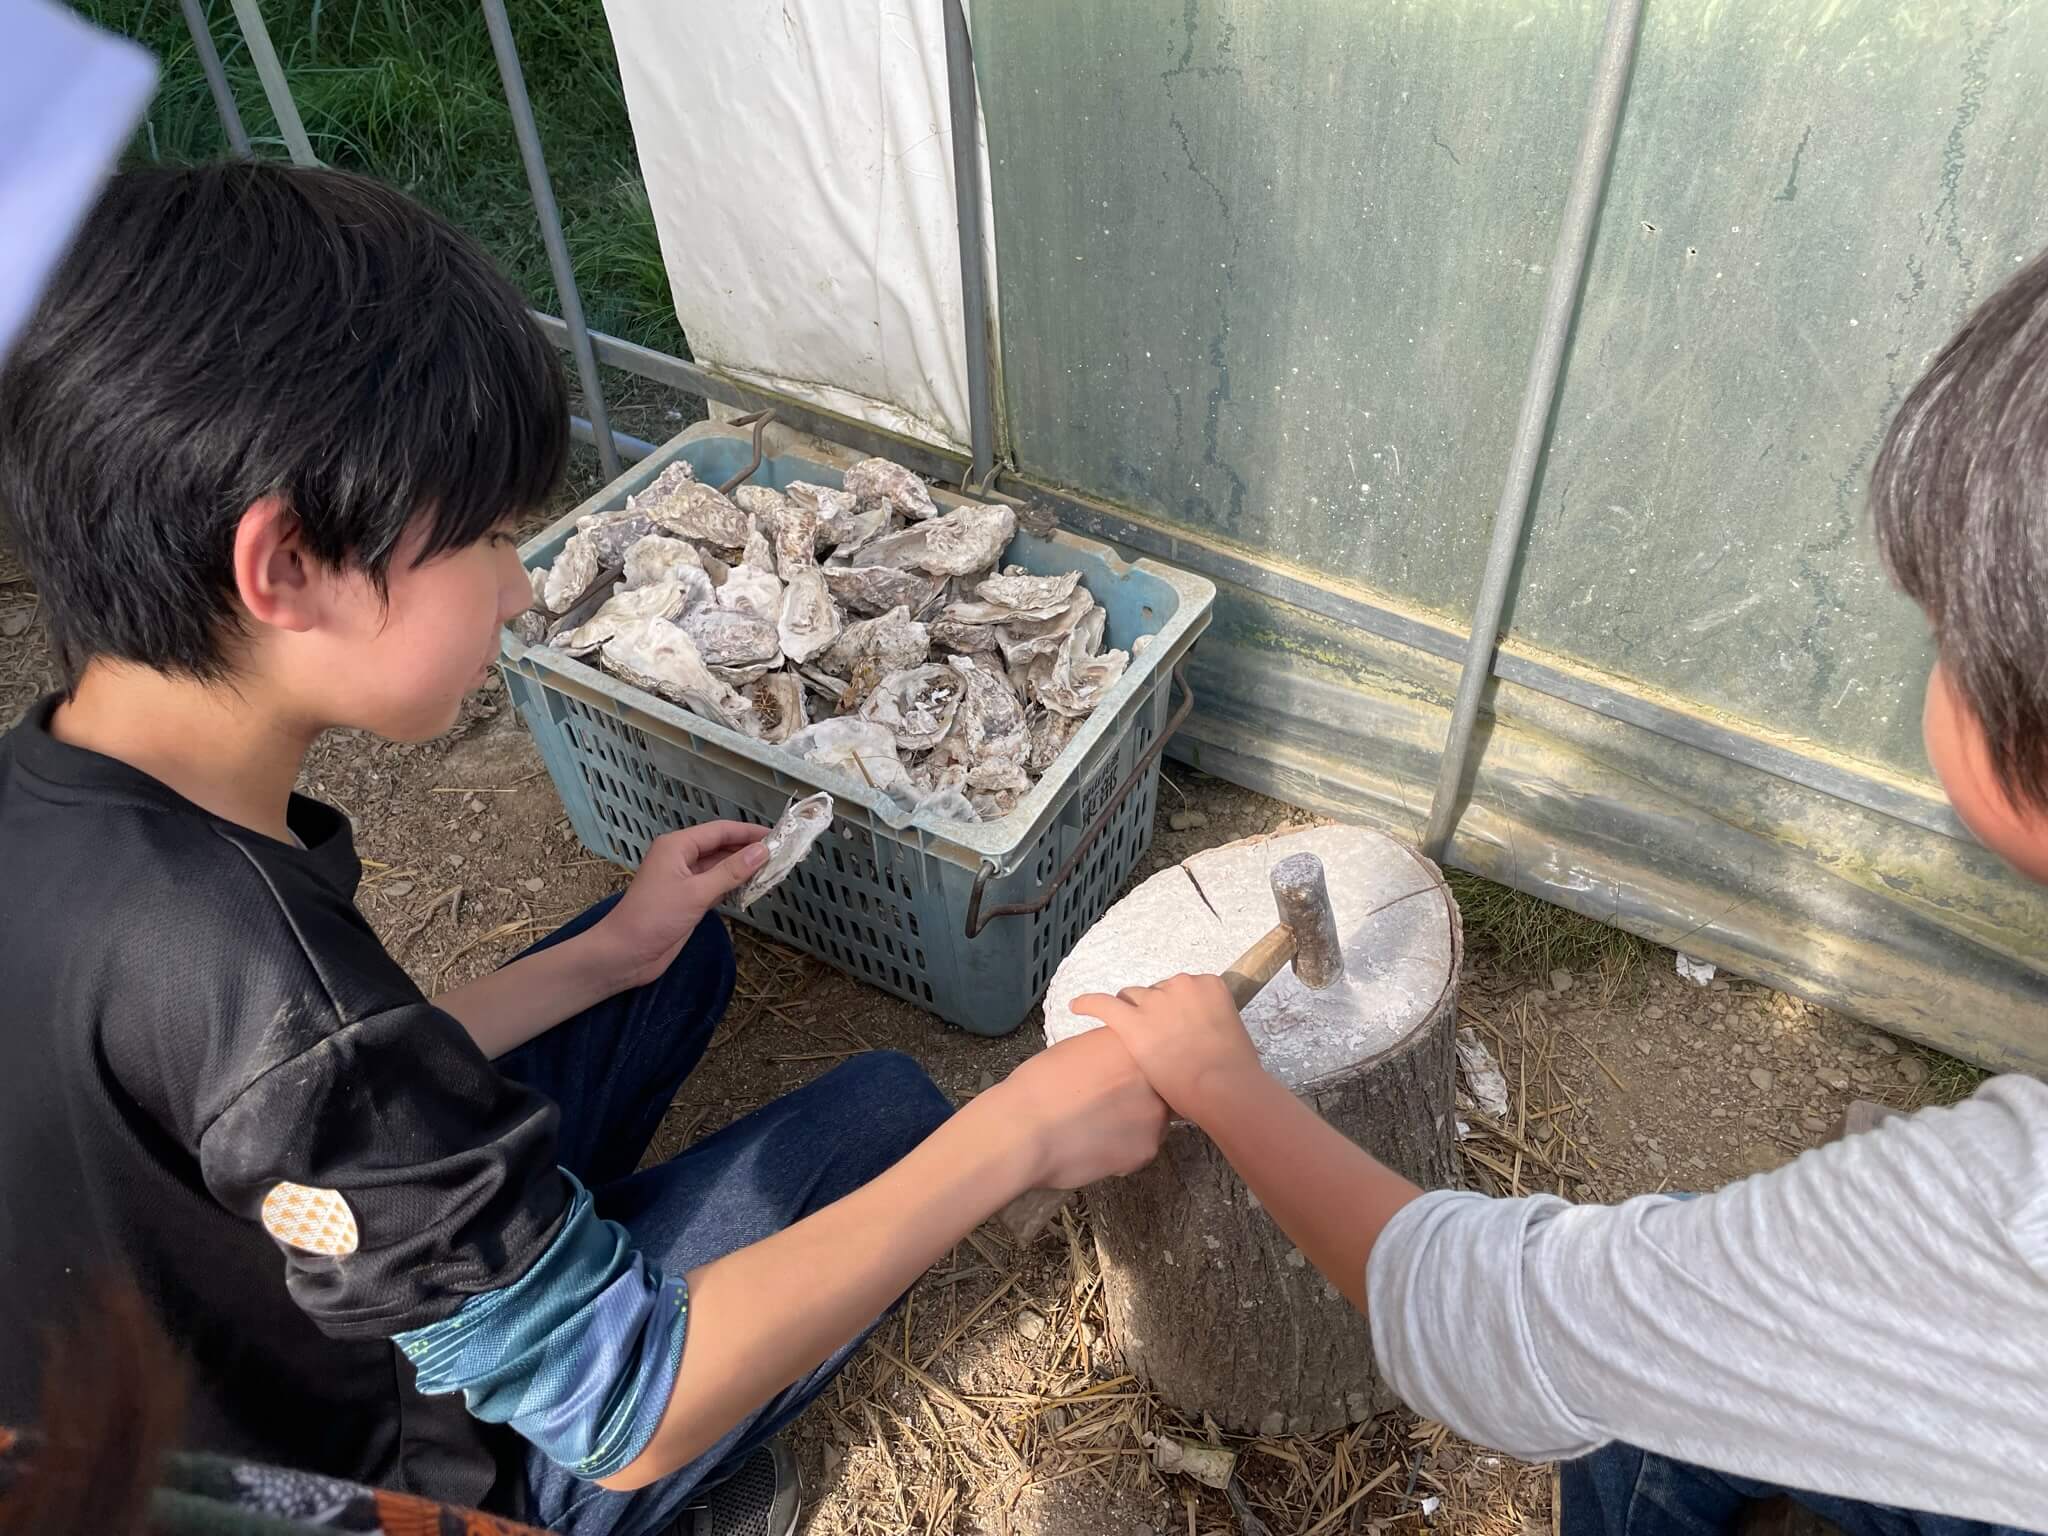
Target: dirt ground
[[993, 1402]]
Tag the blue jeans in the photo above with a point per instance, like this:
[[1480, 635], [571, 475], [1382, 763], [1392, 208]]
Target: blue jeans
[[1622, 1491], [614, 1071]]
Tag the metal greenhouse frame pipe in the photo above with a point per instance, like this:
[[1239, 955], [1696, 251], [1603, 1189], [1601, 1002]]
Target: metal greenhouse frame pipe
[[216, 78], [550, 215], [963, 101], [279, 93], [1539, 395]]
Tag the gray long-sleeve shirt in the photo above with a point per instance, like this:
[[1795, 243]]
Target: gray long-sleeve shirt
[[1870, 1321]]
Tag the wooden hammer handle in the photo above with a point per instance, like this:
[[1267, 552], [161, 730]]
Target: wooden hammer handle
[[1030, 1213], [1259, 965]]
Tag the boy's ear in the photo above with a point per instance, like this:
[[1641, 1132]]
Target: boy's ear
[[275, 579]]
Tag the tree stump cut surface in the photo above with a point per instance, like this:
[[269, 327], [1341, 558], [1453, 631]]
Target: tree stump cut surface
[[1212, 1306]]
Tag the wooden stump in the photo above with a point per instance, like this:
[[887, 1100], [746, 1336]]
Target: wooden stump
[[1212, 1306]]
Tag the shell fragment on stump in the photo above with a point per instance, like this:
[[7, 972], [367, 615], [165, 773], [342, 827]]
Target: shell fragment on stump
[[801, 825]]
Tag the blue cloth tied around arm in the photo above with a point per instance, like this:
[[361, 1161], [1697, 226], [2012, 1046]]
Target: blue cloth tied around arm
[[579, 1354]]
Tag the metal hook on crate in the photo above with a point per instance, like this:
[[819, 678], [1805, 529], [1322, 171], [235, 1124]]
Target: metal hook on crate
[[760, 421], [978, 919]]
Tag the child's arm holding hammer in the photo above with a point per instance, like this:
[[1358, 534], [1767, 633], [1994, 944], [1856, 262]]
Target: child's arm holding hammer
[[1330, 1196]]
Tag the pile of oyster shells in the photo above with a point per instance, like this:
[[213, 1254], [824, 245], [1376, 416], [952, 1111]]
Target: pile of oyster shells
[[861, 629]]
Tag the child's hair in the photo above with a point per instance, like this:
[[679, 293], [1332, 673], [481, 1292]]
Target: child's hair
[[225, 332], [1960, 492]]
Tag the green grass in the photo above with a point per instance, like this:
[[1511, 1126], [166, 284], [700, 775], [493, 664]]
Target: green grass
[[408, 91], [1525, 935]]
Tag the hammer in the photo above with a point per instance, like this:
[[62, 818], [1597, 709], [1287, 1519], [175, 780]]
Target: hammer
[[1306, 934]]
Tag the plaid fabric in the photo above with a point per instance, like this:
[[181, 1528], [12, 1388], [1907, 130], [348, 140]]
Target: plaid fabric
[[201, 1495]]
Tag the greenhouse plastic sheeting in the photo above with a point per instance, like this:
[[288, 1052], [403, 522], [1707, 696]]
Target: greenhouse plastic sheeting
[[799, 162]]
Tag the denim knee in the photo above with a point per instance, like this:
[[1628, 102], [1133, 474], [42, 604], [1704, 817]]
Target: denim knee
[[699, 981], [895, 1099]]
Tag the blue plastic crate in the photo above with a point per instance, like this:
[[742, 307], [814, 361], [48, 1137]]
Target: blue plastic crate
[[886, 896]]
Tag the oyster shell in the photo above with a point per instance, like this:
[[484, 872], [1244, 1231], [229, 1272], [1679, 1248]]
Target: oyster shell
[[575, 568], [796, 539], [699, 513], [660, 657], [1141, 645], [1025, 640], [903, 550], [1049, 734], [759, 551], [1027, 596], [537, 579], [1074, 681], [778, 701], [656, 556], [674, 475], [894, 640], [872, 589], [743, 678], [749, 589], [613, 533], [728, 638], [989, 724], [862, 750], [877, 481], [966, 639], [662, 600], [531, 627], [801, 825], [917, 706], [842, 524], [809, 621], [969, 538], [760, 502]]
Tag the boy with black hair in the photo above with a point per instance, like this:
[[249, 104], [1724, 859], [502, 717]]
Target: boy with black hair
[[262, 446], [1865, 1329]]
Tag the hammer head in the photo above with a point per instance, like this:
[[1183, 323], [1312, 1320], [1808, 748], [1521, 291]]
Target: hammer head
[[1303, 898]]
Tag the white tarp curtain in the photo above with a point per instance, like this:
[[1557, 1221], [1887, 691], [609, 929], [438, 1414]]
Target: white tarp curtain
[[799, 160]]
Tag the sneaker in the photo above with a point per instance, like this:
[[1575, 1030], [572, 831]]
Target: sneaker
[[762, 1496]]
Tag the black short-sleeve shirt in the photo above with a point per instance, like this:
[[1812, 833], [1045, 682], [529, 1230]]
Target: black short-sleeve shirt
[[215, 1084]]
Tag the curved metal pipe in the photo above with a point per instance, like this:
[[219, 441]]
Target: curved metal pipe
[[1539, 395]]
